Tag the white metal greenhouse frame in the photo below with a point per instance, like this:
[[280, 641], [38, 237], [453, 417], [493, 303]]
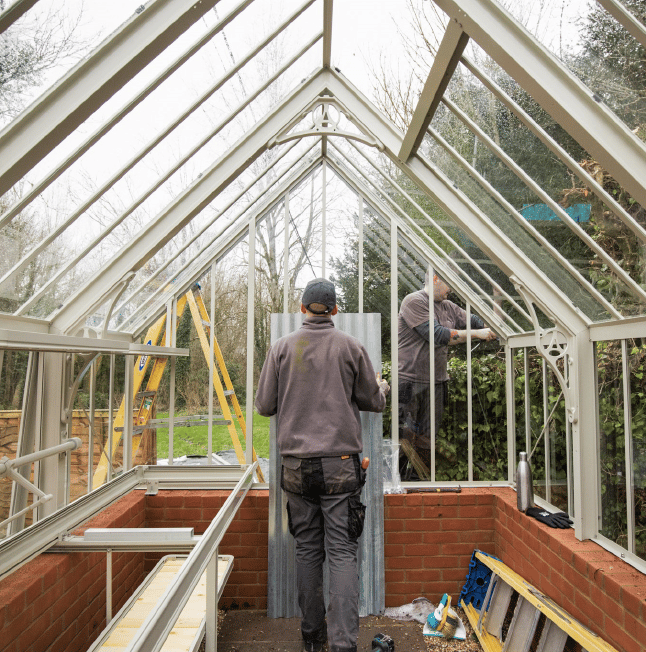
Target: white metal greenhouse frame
[[323, 126]]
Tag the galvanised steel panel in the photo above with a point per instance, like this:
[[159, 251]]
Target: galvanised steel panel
[[282, 599]]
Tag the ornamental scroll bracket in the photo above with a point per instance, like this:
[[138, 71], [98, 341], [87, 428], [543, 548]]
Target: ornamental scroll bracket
[[556, 347], [326, 115]]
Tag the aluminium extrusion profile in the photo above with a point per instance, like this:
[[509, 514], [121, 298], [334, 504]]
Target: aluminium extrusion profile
[[204, 228], [185, 207], [20, 548], [539, 72], [75, 97], [155, 629], [33, 341]]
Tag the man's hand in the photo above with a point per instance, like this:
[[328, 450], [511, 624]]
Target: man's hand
[[483, 334], [383, 385]]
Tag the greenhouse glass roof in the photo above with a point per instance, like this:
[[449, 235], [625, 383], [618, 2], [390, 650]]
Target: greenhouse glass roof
[[155, 151]]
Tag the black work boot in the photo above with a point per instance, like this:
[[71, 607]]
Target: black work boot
[[315, 642]]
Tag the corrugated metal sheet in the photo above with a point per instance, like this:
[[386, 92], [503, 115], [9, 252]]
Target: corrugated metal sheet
[[282, 600]]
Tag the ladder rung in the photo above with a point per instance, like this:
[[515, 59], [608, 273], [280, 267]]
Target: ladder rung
[[495, 615], [136, 430], [538, 623], [185, 423], [229, 392], [140, 395], [553, 638], [522, 627]]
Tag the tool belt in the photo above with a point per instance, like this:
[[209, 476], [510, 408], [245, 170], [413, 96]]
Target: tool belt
[[315, 476]]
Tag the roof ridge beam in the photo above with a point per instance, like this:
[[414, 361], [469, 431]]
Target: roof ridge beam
[[327, 33], [446, 61]]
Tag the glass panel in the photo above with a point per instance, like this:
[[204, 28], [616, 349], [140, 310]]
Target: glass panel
[[595, 47], [426, 220], [529, 408], [377, 292], [612, 452], [344, 254], [637, 360], [49, 40], [414, 413], [555, 431], [142, 188], [519, 233], [609, 222], [192, 373]]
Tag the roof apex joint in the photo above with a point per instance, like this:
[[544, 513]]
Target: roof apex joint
[[326, 113]]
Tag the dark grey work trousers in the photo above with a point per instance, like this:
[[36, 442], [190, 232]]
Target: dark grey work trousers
[[320, 526], [415, 417], [326, 524]]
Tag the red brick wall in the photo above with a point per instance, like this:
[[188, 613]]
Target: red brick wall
[[246, 538], [56, 602], [600, 590], [429, 539]]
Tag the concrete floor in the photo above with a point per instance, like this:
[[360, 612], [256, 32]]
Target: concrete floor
[[252, 631]]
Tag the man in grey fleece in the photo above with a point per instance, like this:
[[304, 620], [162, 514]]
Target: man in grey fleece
[[414, 332], [316, 380]]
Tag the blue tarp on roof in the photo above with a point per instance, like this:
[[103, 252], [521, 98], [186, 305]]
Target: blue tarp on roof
[[578, 212]]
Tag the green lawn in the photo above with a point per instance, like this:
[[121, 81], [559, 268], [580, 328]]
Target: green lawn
[[193, 440]]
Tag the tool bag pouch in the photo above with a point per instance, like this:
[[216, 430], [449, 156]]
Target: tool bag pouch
[[317, 476], [290, 522], [356, 516]]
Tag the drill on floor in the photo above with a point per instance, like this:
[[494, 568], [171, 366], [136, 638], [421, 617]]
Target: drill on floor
[[383, 643]]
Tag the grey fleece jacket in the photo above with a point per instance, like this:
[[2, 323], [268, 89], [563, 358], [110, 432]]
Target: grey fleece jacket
[[316, 380]]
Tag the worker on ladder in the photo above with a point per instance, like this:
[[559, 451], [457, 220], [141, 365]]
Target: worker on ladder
[[316, 380]]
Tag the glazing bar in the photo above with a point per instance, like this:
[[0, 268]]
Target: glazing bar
[[628, 447]]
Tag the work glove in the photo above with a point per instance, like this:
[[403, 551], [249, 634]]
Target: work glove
[[559, 519]]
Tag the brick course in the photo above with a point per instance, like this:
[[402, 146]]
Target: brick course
[[56, 602], [428, 542]]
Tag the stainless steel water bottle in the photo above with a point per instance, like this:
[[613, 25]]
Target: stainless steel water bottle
[[524, 486]]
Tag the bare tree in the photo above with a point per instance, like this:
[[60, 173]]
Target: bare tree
[[29, 49]]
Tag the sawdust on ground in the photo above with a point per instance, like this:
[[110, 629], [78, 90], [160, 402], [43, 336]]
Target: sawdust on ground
[[470, 643]]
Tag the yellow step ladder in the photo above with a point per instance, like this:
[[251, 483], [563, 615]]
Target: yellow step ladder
[[146, 399]]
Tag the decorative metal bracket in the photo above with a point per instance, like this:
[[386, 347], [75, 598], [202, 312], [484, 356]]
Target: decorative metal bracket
[[554, 344], [326, 115], [72, 388]]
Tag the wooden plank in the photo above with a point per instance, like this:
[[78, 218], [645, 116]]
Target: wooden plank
[[189, 627]]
